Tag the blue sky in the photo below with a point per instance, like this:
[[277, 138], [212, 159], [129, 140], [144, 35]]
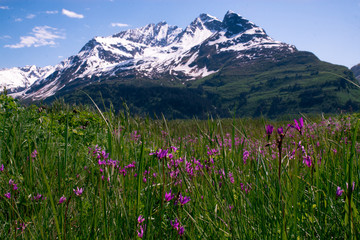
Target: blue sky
[[44, 32]]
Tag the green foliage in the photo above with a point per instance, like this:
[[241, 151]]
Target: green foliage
[[227, 167]]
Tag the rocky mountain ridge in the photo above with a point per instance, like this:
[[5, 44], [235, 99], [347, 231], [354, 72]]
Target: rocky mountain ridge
[[161, 51]]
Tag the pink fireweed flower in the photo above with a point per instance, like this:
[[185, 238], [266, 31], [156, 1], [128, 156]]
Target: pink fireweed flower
[[2, 168], [62, 199], [78, 191], [140, 219], [8, 195], [168, 196], [339, 191]]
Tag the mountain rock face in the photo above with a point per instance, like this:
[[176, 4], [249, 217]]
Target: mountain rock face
[[159, 51], [219, 67], [356, 71]]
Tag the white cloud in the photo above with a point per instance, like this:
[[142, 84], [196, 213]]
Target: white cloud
[[71, 14], [30, 16], [18, 19], [119, 25], [40, 36], [52, 12], [4, 7]]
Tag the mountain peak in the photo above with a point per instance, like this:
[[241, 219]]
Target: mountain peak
[[204, 17], [235, 24], [229, 12]]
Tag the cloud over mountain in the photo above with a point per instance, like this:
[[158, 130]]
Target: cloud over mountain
[[119, 25]]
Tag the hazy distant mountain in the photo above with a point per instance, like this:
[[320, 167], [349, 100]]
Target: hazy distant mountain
[[211, 66], [356, 71]]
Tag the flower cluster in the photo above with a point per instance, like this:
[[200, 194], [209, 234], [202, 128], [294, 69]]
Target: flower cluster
[[176, 225], [141, 226]]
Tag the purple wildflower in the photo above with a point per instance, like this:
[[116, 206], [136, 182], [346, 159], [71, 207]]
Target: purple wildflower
[[246, 154], [299, 125], [353, 186], [15, 187], [183, 200], [78, 191], [160, 153], [37, 197], [62, 199], [181, 231], [307, 160], [11, 182], [141, 232], [269, 129], [21, 227], [168, 196], [140, 219], [339, 191], [34, 154], [2, 168], [175, 224], [8, 195]]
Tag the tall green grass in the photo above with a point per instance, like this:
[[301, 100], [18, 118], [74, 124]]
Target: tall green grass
[[227, 167]]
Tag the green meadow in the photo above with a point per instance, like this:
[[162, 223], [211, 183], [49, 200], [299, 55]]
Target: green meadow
[[76, 172]]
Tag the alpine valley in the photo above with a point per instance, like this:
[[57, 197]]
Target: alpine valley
[[211, 67]]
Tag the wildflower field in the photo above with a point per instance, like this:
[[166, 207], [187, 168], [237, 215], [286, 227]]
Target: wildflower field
[[71, 172]]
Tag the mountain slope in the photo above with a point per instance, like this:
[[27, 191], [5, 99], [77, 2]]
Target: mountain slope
[[211, 66], [356, 70], [261, 87], [160, 51]]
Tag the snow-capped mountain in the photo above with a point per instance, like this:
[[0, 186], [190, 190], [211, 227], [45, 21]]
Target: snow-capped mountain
[[161, 51], [15, 79]]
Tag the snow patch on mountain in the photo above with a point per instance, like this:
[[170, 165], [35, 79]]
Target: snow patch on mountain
[[19, 78], [157, 50]]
